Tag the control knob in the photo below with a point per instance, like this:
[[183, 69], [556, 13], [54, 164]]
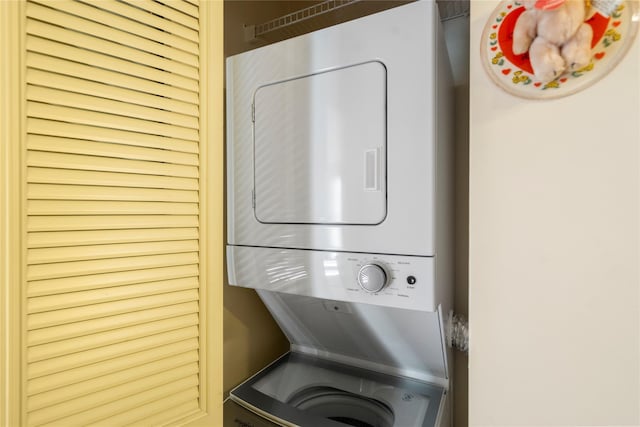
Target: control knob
[[372, 278]]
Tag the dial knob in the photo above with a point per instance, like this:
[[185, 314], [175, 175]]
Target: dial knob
[[372, 278]]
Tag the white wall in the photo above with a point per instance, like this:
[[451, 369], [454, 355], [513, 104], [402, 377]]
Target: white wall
[[554, 251]]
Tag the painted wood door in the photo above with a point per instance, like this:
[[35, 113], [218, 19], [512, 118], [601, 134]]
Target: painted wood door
[[112, 212]]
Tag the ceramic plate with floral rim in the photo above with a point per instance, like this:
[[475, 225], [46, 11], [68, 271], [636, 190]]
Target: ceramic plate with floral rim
[[615, 24]]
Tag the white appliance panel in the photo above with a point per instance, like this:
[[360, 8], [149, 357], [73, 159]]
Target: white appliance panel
[[320, 144], [403, 39], [333, 275]]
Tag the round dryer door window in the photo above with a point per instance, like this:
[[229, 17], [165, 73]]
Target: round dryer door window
[[344, 407]]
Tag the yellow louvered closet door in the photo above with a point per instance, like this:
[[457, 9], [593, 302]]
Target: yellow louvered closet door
[[112, 298]]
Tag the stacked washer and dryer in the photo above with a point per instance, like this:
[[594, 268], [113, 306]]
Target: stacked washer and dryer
[[339, 202]]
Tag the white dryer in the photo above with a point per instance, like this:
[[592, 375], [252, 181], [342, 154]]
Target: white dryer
[[340, 214]]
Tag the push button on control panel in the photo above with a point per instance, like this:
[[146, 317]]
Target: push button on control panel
[[411, 280]]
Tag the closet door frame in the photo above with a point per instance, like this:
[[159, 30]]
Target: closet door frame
[[12, 198], [211, 213]]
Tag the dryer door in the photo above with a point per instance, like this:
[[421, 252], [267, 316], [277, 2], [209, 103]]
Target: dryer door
[[320, 148]]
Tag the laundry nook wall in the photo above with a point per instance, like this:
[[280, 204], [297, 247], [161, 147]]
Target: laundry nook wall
[[251, 337]]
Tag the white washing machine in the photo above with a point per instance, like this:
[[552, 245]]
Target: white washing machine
[[310, 391], [340, 216]]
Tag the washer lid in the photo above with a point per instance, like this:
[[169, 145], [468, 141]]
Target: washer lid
[[396, 341], [303, 390]]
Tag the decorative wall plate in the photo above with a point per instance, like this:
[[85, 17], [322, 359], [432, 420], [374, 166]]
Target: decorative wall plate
[[614, 31]]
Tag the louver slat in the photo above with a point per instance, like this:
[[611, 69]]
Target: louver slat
[[101, 237], [75, 207], [89, 357], [63, 332], [40, 320], [42, 62], [93, 103], [103, 402], [78, 253], [43, 45], [150, 19], [75, 38], [92, 12], [130, 93], [116, 136], [108, 33], [63, 223], [86, 192], [113, 244], [158, 412], [83, 268], [62, 176], [102, 339], [50, 111], [110, 380], [80, 162], [67, 285], [110, 367], [98, 296], [183, 6], [138, 405], [108, 149], [166, 12]]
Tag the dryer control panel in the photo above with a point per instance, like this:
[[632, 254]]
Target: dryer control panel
[[387, 280]]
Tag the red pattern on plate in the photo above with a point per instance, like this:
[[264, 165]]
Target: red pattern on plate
[[505, 40]]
